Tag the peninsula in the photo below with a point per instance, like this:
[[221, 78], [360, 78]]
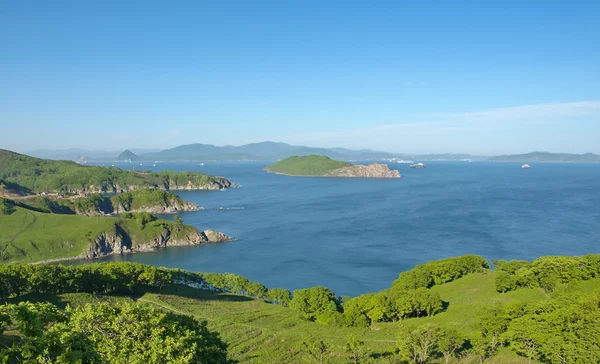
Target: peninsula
[[43, 175], [322, 166]]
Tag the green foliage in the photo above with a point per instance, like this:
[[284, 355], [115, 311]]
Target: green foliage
[[178, 220], [7, 207], [418, 344], [139, 199], [94, 203], [312, 165], [356, 348], [316, 304], [451, 342], [316, 349], [565, 331], [440, 271], [102, 333], [417, 303], [546, 272], [51, 175]]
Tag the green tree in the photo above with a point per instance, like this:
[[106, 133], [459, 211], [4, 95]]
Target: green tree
[[316, 349], [419, 343], [526, 336], [316, 304], [7, 207], [356, 348], [493, 322], [450, 342], [178, 220]]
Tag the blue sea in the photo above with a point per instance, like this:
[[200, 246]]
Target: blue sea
[[356, 235]]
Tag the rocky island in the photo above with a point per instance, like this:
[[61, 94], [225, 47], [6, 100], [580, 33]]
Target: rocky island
[[321, 166]]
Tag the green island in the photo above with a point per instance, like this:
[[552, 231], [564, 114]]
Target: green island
[[322, 166], [451, 310], [35, 175]]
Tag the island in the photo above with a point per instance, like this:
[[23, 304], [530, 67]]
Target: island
[[322, 166]]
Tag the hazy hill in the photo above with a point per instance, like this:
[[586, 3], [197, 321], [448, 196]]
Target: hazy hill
[[548, 157], [82, 154], [256, 151]]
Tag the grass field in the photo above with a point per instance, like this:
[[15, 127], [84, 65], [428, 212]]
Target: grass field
[[311, 165], [29, 236]]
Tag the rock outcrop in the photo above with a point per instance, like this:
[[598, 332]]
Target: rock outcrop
[[373, 170], [216, 184], [119, 242], [172, 206]]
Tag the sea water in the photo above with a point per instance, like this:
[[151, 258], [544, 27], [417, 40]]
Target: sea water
[[356, 235]]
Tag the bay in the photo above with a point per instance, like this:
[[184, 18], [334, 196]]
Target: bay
[[355, 235]]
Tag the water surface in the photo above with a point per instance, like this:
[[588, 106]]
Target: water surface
[[356, 235]]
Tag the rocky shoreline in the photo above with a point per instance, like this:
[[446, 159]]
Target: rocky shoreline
[[373, 170], [119, 242]]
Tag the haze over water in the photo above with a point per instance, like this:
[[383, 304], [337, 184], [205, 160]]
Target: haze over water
[[356, 235]]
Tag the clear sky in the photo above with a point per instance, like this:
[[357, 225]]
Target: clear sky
[[414, 77]]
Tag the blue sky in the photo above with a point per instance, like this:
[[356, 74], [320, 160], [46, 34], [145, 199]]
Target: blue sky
[[414, 77]]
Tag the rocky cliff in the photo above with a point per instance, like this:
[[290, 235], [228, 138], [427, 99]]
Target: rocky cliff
[[374, 170], [171, 206], [118, 241], [110, 187]]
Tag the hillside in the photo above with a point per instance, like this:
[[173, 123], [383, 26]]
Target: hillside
[[322, 166], [40, 175], [29, 236], [548, 157], [127, 156], [474, 322], [144, 200]]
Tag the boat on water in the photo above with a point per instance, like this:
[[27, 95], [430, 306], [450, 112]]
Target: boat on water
[[201, 164], [525, 166], [403, 161], [417, 165]]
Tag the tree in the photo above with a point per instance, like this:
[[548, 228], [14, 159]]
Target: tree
[[316, 304], [356, 349], [526, 336], [7, 207], [493, 323], [279, 296], [417, 344], [318, 350], [450, 341], [178, 220]]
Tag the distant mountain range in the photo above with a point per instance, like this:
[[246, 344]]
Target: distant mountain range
[[82, 154], [254, 151], [271, 151], [548, 157]]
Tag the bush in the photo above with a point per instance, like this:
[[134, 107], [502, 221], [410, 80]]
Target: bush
[[315, 304], [440, 271], [7, 207]]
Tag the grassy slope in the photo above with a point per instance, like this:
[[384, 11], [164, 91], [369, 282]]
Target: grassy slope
[[311, 165], [50, 175], [258, 332], [29, 236]]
